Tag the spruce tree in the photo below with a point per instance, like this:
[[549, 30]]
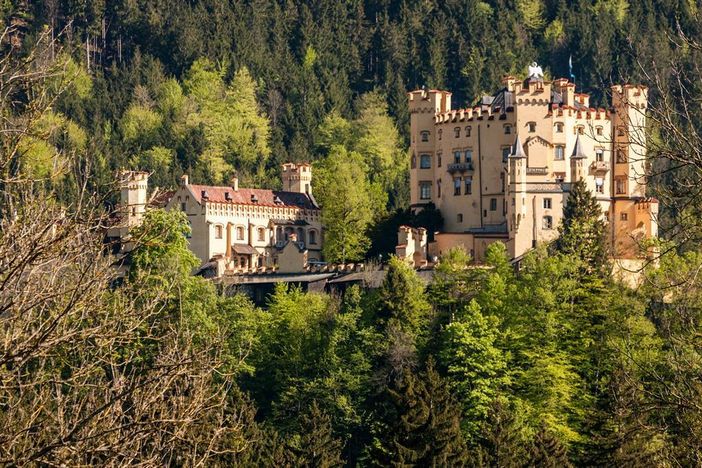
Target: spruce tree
[[547, 451], [583, 232], [317, 445], [422, 426]]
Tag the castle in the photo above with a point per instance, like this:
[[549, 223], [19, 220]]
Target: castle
[[245, 228], [502, 170]]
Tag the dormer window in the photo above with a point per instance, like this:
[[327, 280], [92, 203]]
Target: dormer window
[[227, 196], [508, 129], [424, 135], [457, 132], [532, 127], [204, 195]]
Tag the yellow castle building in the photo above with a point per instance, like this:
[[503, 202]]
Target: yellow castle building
[[246, 228], [502, 170]]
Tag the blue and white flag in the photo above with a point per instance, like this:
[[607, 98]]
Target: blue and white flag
[[570, 68]]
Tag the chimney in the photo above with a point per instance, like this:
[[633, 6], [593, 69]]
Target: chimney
[[184, 180], [235, 182]]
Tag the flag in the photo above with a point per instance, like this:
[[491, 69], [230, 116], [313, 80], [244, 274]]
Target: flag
[[570, 68]]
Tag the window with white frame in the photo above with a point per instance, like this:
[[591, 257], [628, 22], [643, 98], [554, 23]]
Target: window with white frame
[[425, 190]]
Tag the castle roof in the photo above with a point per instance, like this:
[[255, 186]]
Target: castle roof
[[248, 196]]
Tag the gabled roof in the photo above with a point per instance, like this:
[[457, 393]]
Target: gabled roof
[[247, 196]]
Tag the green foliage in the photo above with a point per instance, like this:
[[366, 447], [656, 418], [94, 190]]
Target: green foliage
[[350, 202], [583, 232], [422, 424]]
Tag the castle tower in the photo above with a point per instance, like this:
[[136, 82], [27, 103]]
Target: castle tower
[[423, 107], [133, 187], [297, 178], [577, 161], [517, 182], [629, 149]]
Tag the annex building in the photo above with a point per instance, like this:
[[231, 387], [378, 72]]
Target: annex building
[[243, 229], [502, 170]]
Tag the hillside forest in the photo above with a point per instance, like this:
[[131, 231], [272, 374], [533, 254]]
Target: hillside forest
[[553, 364]]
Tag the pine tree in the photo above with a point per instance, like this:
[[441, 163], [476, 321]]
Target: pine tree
[[547, 451], [317, 446], [422, 427], [502, 441], [583, 232]]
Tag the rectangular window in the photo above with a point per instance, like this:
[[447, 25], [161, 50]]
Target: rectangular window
[[425, 191], [218, 232], [457, 132], [508, 129], [598, 130], [599, 188], [559, 153], [467, 131], [468, 185], [438, 159], [559, 127], [425, 161], [457, 186], [620, 186], [469, 156], [425, 136], [456, 157], [547, 223], [459, 217], [183, 206], [621, 155], [493, 204], [624, 216], [532, 127], [438, 188], [547, 203], [506, 150], [599, 155]]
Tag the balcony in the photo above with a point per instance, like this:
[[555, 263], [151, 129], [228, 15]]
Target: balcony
[[460, 167], [537, 170], [599, 166]]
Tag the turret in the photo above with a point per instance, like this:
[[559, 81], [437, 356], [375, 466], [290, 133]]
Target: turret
[[577, 161], [133, 187], [297, 178], [517, 178]]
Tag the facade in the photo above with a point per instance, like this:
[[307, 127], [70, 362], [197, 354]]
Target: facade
[[501, 171], [243, 228]]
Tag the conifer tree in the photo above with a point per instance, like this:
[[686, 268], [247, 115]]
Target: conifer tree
[[583, 232], [422, 424], [317, 446], [547, 451]]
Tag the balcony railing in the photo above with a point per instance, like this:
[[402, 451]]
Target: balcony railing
[[460, 167], [537, 170], [600, 166]]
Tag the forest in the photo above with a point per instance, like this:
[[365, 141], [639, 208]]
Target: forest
[[553, 364]]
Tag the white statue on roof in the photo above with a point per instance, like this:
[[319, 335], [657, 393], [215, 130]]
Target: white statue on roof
[[535, 71]]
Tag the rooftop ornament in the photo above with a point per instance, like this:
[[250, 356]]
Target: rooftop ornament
[[535, 72]]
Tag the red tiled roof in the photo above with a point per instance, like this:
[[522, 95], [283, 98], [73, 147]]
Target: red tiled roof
[[243, 196]]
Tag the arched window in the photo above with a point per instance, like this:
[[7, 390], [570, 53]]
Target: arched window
[[457, 132], [218, 231], [300, 235], [240, 233], [425, 135], [468, 131], [313, 237]]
